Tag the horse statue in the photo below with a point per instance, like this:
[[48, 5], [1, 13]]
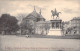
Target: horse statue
[[55, 13]]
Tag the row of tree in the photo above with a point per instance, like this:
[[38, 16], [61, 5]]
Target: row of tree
[[8, 24]]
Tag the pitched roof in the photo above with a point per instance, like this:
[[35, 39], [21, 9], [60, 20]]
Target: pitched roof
[[76, 18], [35, 14]]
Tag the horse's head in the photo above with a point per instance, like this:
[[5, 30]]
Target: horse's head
[[51, 10]]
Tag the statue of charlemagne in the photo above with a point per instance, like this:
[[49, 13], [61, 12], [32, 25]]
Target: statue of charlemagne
[[55, 13]]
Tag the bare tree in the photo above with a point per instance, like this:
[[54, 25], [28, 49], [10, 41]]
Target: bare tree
[[47, 27], [20, 18]]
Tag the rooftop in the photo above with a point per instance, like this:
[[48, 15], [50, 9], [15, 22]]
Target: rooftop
[[35, 14], [76, 18]]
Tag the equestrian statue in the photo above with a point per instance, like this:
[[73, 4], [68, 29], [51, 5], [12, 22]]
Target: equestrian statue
[[55, 13]]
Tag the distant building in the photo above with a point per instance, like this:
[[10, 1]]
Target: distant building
[[75, 22], [72, 27]]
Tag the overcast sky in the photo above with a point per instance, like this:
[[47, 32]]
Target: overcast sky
[[68, 8]]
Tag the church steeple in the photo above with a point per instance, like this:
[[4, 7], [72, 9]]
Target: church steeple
[[34, 8], [40, 12]]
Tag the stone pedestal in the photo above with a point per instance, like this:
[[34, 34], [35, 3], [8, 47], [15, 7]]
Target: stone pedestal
[[55, 27]]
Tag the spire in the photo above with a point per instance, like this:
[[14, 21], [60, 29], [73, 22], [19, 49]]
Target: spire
[[34, 8], [40, 12]]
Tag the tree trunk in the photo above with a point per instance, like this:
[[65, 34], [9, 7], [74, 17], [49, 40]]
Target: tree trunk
[[46, 32], [3, 32]]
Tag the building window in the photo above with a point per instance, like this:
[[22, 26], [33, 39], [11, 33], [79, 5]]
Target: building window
[[38, 19]]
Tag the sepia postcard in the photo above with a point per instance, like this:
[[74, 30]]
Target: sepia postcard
[[39, 25]]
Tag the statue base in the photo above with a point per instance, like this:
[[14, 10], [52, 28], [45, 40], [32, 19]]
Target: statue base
[[55, 32], [55, 27]]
